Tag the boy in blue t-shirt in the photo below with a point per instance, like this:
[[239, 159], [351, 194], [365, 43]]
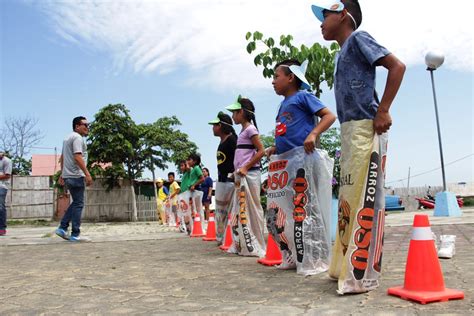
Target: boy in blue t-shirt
[[356, 261], [295, 123]]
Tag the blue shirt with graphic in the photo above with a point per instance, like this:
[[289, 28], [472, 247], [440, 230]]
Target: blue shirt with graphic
[[295, 120], [354, 78]]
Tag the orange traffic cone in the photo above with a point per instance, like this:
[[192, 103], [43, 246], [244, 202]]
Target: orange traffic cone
[[211, 228], [228, 237], [424, 281], [197, 227], [273, 255]]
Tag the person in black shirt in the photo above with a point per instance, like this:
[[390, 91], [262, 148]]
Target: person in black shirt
[[222, 128]]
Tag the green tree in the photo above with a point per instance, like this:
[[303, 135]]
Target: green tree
[[320, 58], [128, 148], [21, 166]]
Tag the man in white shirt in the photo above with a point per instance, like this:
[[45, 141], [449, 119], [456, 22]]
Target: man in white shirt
[[75, 176]]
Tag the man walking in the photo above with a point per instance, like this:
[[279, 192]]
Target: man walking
[[5, 174], [75, 176]]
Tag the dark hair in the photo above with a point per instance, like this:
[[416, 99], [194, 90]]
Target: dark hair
[[249, 110], [226, 128], [208, 173], [353, 7], [196, 158], [77, 121], [287, 71], [171, 174]]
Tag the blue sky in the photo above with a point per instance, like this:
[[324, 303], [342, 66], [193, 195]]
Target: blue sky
[[161, 58]]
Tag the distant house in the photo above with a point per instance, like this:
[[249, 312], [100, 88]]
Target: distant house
[[44, 165]]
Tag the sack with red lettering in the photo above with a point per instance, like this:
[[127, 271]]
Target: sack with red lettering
[[189, 202], [299, 208], [171, 220], [247, 221], [357, 253]]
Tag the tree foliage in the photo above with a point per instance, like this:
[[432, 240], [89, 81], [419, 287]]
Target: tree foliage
[[127, 148], [321, 58]]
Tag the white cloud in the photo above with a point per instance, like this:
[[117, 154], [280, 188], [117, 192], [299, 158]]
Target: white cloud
[[206, 37]]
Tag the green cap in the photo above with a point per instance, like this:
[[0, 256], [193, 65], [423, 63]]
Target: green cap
[[214, 121], [236, 105]]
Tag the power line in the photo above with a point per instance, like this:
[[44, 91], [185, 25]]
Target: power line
[[429, 171]]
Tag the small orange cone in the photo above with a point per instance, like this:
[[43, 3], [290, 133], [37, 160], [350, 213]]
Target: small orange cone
[[228, 238], [197, 227], [424, 281], [273, 255], [211, 228]]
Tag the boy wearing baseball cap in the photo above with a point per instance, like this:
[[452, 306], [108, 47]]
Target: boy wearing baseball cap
[[357, 253]]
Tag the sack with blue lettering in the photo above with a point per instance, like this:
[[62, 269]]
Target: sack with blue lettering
[[298, 215]]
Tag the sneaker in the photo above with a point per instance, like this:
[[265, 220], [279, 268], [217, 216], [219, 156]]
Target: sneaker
[[62, 233], [79, 239], [3, 232], [447, 248]]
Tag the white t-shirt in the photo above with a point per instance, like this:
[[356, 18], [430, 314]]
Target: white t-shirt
[[73, 144], [5, 168]]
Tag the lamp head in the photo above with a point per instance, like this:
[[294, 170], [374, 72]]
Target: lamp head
[[434, 59]]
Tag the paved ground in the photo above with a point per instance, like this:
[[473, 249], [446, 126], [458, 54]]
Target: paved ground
[[151, 269]]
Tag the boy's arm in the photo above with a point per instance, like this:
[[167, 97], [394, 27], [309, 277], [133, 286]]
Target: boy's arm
[[327, 119], [396, 69]]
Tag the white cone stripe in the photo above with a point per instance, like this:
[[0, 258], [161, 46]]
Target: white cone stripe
[[197, 219], [211, 219], [421, 233]]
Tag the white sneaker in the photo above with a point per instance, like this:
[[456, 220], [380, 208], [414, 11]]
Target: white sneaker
[[447, 248]]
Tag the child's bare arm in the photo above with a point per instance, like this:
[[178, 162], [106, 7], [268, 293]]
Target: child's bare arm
[[327, 119], [396, 69]]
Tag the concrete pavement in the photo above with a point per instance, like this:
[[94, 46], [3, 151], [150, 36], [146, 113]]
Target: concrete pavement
[[142, 268]]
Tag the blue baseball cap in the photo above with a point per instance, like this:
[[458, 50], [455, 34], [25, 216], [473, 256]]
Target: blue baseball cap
[[330, 5]]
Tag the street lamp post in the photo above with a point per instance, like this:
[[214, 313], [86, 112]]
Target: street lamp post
[[446, 202], [434, 60]]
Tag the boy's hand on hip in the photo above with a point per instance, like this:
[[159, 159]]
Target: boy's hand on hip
[[309, 143], [382, 122]]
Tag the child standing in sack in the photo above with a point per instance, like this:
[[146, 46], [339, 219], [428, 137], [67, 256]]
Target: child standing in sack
[[357, 253], [296, 128], [247, 214]]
